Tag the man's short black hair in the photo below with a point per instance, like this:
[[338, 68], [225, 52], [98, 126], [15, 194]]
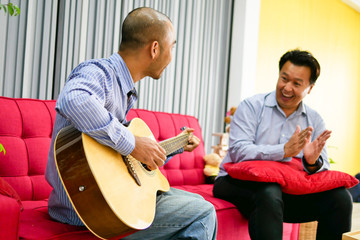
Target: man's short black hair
[[302, 58]]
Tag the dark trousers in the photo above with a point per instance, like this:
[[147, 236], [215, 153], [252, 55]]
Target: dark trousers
[[267, 207]]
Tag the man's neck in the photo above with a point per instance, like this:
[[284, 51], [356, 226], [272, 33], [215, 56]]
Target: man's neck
[[134, 64]]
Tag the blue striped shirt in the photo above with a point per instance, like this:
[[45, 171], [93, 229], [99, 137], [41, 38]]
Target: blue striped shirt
[[259, 130], [96, 98]]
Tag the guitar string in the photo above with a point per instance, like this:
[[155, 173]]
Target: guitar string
[[174, 140], [172, 144]]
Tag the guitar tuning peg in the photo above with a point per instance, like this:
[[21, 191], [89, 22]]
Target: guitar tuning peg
[[183, 128]]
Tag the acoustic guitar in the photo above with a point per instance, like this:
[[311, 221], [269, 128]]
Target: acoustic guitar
[[112, 194]]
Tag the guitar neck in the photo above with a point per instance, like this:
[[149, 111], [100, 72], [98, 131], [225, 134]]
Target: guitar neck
[[172, 144]]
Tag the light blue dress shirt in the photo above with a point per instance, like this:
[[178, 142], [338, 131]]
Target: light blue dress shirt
[[95, 99], [259, 130]]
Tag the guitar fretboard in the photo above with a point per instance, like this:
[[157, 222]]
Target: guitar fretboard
[[172, 144]]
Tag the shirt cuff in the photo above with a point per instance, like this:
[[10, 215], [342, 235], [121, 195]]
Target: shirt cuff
[[276, 153], [127, 144], [316, 166], [181, 150]]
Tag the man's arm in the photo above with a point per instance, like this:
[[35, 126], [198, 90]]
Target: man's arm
[[82, 103], [242, 134]]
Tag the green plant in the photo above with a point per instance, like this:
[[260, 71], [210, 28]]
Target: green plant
[[331, 160], [2, 149], [13, 9]]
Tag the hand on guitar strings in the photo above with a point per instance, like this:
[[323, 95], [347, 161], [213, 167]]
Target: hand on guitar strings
[[149, 152], [193, 142]]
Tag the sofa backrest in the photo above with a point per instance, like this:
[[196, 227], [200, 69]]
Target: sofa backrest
[[25, 132]]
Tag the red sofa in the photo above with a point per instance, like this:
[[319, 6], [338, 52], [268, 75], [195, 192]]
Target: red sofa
[[25, 131]]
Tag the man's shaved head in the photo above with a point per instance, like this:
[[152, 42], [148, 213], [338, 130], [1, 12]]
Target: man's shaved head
[[141, 26]]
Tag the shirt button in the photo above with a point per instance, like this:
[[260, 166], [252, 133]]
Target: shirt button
[[283, 135]]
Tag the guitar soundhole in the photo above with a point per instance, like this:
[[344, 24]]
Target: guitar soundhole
[[146, 167]]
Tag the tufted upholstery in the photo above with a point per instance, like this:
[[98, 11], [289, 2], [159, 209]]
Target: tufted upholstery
[[27, 143], [25, 132]]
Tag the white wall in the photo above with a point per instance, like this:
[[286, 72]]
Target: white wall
[[244, 44]]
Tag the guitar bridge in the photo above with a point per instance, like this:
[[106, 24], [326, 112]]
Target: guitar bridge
[[131, 169]]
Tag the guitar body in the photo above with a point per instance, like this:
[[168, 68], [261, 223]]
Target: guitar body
[[103, 193]]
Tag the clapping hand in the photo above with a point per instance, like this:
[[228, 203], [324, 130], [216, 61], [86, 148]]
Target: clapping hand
[[313, 149]]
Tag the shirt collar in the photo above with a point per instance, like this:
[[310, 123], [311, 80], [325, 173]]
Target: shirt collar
[[270, 101], [127, 83]]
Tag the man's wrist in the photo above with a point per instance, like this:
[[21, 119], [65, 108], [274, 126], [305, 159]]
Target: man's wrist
[[318, 162]]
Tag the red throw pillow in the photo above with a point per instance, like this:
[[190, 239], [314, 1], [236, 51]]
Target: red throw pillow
[[290, 175], [7, 190]]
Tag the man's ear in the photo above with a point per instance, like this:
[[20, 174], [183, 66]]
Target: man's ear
[[155, 49], [311, 86]]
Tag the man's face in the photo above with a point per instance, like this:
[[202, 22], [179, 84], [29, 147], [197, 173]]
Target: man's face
[[292, 86], [166, 47]]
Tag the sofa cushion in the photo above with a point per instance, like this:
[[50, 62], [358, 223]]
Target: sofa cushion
[[35, 223], [290, 175]]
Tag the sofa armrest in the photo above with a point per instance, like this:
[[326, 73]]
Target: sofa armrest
[[9, 218]]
